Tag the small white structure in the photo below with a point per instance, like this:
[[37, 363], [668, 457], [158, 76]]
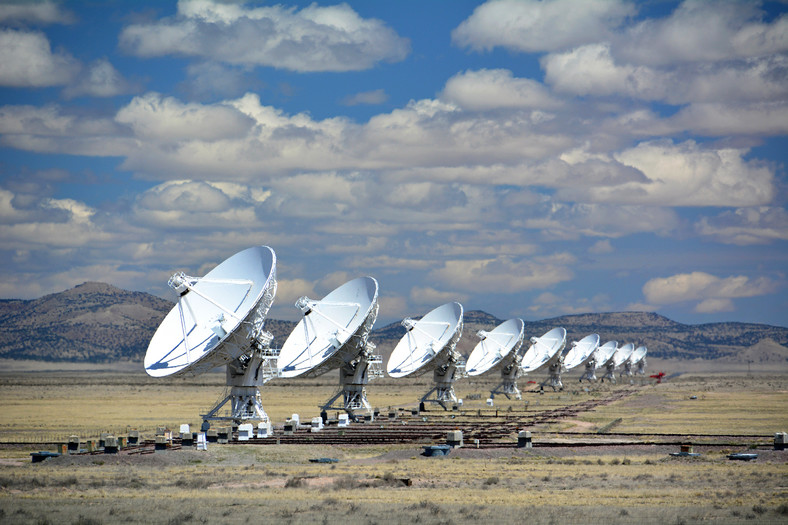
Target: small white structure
[[295, 420], [202, 441], [490, 402], [245, 432], [185, 429], [264, 429], [317, 424], [344, 420]]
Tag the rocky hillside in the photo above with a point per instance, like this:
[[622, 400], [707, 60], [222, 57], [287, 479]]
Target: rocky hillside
[[96, 322]]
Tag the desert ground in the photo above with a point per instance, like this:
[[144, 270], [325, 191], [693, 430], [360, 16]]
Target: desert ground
[[628, 475]]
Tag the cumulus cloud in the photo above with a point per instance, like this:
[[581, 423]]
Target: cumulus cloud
[[705, 32], [36, 12], [713, 293], [496, 88], [377, 96], [315, 38], [432, 297], [540, 25], [686, 174], [746, 226], [592, 70], [504, 273], [28, 61]]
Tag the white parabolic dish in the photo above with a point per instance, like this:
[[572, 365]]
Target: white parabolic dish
[[623, 353], [605, 353], [638, 355], [215, 321], [326, 326], [425, 340], [497, 348], [543, 350], [581, 351]]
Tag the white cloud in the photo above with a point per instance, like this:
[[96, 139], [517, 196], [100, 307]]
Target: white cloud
[[167, 120], [687, 175], [496, 88], [592, 70], [377, 96], [601, 247], [28, 61], [430, 296], [315, 38], [45, 12], [504, 274], [746, 226], [100, 79], [556, 220], [713, 293], [704, 32], [534, 25]]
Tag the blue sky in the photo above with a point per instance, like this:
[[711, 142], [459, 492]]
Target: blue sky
[[526, 158]]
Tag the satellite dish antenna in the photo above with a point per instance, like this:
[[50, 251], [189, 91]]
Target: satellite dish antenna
[[545, 352], [333, 334], [639, 358], [581, 351], [619, 357], [499, 349], [429, 345], [218, 321], [599, 359]]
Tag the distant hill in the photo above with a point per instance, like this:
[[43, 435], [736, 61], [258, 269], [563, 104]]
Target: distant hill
[[97, 322]]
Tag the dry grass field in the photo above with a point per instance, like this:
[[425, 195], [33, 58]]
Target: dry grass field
[[278, 484]]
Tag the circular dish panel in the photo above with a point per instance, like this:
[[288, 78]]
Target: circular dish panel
[[498, 347], [215, 321], [605, 353], [623, 353], [638, 355], [581, 351], [425, 340], [326, 326], [544, 350]]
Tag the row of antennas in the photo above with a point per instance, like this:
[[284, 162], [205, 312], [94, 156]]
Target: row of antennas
[[219, 321]]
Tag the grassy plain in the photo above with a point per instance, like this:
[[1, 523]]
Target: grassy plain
[[277, 484]]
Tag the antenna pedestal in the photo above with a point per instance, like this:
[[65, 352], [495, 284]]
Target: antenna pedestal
[[444, 377], [244, 376], [610, 373], [353, 379], [641, 371], [589, 374], [508, 384], [554, 376]]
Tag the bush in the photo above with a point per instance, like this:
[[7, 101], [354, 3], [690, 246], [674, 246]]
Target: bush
[[492, 480]]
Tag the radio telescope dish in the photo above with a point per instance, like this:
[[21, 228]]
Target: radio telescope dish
[[581, 351], [333, 334], [619, 357], [429, 345], [599, 359], [545, 352], [633, 358], [638, 358], [218, 321], [499, 349]]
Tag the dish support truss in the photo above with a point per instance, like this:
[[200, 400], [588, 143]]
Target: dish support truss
[[610, 372], [641, 371], [255, 365], [359, 366], [444, 374], [589, 374], [554, 372], [508, 384]]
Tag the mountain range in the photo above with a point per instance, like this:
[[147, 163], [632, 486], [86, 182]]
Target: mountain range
[[97, 322]]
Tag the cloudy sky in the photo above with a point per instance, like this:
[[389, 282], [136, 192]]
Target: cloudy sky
[[527, 158]]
